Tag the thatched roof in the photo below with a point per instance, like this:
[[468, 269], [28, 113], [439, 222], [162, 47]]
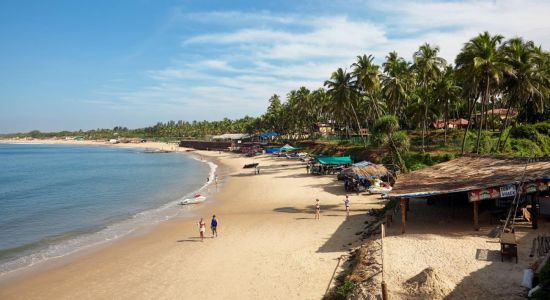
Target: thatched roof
[[468, 173], [368, 169]]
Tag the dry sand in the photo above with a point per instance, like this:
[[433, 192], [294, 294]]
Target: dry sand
[[269, 245], [442, 257]]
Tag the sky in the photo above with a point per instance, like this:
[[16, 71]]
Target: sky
[[70, 65]]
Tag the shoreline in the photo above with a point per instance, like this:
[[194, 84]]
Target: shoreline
[[135, 225], [269, 244]]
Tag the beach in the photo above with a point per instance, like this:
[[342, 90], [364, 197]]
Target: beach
[[269, 245]]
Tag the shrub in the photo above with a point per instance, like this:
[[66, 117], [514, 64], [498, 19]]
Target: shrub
[[543, 128], [524, 132], [524, 147], [345, 289]]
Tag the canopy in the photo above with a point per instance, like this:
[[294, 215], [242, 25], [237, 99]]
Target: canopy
[[287, 148], [334, 160]]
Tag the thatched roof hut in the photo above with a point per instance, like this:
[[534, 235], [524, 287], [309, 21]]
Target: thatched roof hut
[[368, 169]]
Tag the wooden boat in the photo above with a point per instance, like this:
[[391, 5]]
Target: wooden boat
[[198, 198]]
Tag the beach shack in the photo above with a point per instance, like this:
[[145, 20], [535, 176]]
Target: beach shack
[[491, 182], [330, 164]]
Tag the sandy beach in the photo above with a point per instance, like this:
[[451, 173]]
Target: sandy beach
[[269, 245]]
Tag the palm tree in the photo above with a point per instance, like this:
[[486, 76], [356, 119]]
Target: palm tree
[[397, 82], [344, 96], [447, 92], [428, 66], [529, 82], [480, 61], [367, 80]]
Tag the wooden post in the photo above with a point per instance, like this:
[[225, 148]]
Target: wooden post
[[384, 288], [534, 211], [384, 291], [476, 215], [403, 204]]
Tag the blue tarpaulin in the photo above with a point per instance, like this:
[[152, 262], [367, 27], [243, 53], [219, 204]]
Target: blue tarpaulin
[[266, 135]]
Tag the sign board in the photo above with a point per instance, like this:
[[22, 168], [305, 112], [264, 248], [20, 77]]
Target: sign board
[[488, 193], [508, 191]]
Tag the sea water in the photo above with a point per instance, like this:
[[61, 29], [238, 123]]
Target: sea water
[[56, 199]]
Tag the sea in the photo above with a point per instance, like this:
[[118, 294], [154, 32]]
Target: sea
[[57, 199]]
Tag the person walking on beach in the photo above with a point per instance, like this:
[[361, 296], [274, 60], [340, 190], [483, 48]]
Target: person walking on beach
[[202, 229], [346, 204], [317, 209], [214, 226]]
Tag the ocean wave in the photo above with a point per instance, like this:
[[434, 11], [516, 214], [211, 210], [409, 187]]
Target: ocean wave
[[60, 246]]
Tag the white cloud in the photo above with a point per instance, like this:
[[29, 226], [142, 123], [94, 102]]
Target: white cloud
[[263, 53]]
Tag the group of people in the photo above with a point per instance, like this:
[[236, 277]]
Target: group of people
[[213, 227], [318, 208]]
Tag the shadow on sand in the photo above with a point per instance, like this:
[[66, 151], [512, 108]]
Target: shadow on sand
[[496, 280]]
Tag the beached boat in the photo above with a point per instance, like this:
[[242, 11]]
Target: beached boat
[[198, 198], [249, 166], [379, 189]]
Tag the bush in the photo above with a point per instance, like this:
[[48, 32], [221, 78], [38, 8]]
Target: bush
[[543, 127], [524, 132], [345, 289], [524, 147]]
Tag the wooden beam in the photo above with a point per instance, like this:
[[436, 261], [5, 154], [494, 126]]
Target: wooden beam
[[476, 215], [534, 211], [403, 204]]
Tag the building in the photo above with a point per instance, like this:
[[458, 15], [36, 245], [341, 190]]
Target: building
[[478, 179]]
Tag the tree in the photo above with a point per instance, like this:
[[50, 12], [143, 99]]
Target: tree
[[343, 94], [527, 85], [428, 66], [447, 92], [397, 83], [385, 132], [481, 62]]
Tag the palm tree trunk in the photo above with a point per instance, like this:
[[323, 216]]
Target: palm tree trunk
[[504, 124], [424, 129], [399, 158], [471, 111], [483, 114], [446, 120], [359, 126]]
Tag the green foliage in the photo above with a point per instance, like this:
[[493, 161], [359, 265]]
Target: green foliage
[[543, 127], [386, 125], [524, 147], [524, 132], [345, 289], [402, 140], [390, 204], [416, 160]]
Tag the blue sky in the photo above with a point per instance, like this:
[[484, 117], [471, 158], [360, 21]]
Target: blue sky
[[69, 65]]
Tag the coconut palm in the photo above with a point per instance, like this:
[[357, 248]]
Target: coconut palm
[[528, 84], [428, 67], [447, 92], [397, 82], [341, 88], [480, 61]]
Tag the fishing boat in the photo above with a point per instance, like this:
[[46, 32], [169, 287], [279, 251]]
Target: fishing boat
[[198, 198]]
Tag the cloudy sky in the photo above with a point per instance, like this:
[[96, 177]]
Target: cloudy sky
[[69, 65]]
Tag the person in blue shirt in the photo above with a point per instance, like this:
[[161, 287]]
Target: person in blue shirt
[[214, 226]]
